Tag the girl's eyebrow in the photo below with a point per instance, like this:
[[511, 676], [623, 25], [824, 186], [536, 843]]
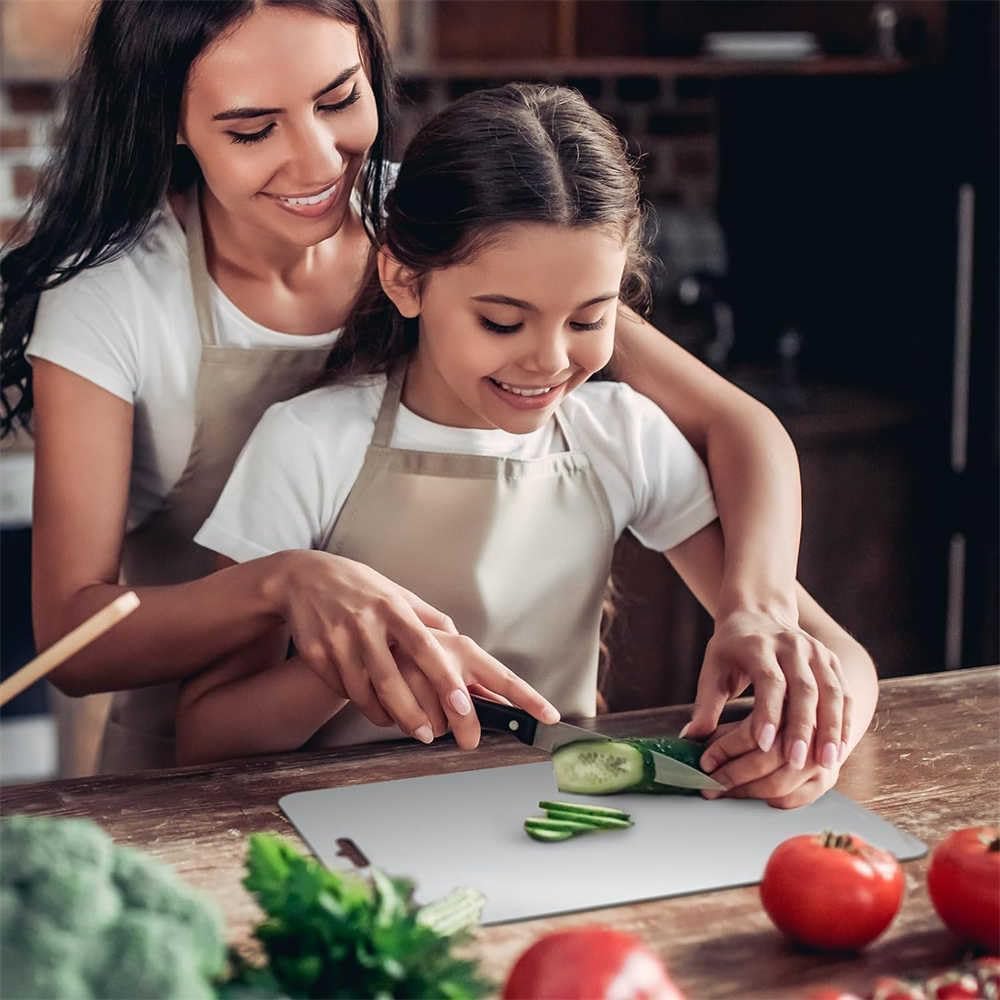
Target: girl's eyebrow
[[238, 113], [506, 300]]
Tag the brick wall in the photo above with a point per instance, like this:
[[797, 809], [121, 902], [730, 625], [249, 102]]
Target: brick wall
[[671, 123], [27, 113]]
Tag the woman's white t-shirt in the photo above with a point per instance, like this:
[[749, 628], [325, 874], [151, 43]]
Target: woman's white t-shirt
[[297, 469], [130, 327]]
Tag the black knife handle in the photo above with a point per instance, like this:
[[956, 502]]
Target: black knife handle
[[505, 719]]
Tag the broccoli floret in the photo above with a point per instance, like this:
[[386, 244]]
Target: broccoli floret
[[82, 917]]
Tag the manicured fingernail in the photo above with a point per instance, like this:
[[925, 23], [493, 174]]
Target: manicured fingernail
[[460, 701], [551, 715], [797, 758], [843, 751], [830, 753], [684, 730], [766, 739], [708, 763], [425, 734]]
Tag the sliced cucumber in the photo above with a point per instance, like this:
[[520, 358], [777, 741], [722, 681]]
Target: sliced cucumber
[[569, 825], [596, 822], [547, 836], [586, 810], [592, 767]]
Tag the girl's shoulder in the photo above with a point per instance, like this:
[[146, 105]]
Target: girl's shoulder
[[610, 403], [337, 409]]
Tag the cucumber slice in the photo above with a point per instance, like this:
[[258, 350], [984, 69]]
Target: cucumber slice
[[592, 767], [597, 822], [586, 810], [567, 825], [548, 836]]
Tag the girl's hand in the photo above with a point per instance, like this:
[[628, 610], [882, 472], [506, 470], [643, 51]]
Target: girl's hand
[[792, 674], [734, 759], [350, 624], [484, 676]]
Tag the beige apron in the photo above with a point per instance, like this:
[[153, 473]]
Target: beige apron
[[517, 552], [235, 386]]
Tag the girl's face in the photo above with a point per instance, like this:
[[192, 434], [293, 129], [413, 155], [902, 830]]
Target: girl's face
[[506, 336], [280, 116]]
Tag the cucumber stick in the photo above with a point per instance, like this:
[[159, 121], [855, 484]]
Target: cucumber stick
[[592, 767]]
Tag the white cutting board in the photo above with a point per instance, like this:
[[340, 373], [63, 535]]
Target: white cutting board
[[466, 829]]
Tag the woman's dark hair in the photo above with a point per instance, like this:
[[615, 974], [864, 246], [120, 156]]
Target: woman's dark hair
[[117, 158], [514, 154]]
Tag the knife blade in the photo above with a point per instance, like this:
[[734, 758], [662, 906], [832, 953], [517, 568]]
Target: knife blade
[[501, 718]]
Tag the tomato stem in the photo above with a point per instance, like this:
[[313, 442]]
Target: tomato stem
[[842, 840]]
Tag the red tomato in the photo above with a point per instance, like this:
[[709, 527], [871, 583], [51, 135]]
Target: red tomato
[[953, 986], [963, 880], [589, 963], [831, 891]]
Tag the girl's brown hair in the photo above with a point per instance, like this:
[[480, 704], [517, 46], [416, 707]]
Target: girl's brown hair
[[494, 158]]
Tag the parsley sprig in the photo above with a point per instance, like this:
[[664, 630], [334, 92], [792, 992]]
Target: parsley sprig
[[334, 935]]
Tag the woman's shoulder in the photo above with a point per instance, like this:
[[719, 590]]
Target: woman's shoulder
[[149, 269]]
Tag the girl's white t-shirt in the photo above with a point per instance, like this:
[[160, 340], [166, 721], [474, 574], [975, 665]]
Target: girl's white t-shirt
[[130, 327], [299, 465]]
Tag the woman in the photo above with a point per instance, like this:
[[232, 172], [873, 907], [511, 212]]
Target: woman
[[175, 312]]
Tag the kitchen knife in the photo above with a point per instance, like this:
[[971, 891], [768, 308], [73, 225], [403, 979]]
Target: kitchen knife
[[508, 719]]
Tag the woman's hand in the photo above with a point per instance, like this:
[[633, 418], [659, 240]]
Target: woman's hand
[[351, 625], [734, 760], [799, 688]]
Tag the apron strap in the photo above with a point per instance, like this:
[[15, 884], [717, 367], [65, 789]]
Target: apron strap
[[198, 268], [386, 419]]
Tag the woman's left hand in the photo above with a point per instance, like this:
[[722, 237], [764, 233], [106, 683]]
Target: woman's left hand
[[799, 688], [734, 760]]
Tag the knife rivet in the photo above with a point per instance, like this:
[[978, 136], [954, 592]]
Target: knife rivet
[[513, 725]]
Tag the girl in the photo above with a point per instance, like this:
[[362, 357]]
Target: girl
[[473, 462], [194, 248]]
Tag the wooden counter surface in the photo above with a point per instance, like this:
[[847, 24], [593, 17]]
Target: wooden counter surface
[[930, 763]]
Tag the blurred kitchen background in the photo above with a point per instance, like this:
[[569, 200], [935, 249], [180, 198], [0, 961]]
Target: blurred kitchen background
[[824, 177]]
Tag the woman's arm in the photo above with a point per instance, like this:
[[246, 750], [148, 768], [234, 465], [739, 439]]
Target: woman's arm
[[839, 662], [83, 452], [755, 478]]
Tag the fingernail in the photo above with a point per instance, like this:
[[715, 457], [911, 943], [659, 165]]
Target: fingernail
[[551, 715], [460, 701], [709, 794], [425, 734], [766, 739], [830, 753], [797, 758], [684, 730], [708, 763], [843, 751]]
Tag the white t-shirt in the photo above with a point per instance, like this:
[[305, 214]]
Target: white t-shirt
[[297, 469], [129, 326]]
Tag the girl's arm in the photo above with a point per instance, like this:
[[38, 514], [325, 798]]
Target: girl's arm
[[343, 616], [839, 661], [755, 477], [251, 702]]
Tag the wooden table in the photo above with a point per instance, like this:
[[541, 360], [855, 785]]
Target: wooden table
[[930, 763]]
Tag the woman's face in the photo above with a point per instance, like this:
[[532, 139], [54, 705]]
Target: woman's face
[[280, 116]]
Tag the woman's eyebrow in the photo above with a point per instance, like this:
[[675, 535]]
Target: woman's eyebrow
[[506, 300], [237, 113]]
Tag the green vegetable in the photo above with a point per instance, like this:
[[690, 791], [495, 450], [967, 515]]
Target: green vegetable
[[563, 820], [591, 767], [81, 917], [334, 935]]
